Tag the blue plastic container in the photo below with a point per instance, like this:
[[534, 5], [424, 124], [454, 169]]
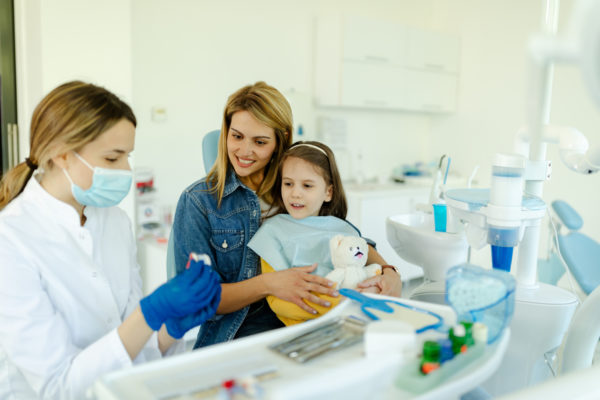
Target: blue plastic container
[[481, 295]]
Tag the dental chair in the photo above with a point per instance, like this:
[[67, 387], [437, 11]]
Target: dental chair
[[580, 252], [210, 147]]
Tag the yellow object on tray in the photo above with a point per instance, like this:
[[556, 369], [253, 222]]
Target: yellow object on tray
[[291, 314]]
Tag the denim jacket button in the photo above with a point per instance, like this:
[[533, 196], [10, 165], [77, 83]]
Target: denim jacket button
[[224, 244]]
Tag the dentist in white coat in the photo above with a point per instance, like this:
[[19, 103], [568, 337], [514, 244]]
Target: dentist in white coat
[[71, 306]]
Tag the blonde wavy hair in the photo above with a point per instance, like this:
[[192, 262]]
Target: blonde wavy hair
[[69, 117], [268, 106]]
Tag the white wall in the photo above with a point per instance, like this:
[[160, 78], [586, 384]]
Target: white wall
[[63, 40], [191, 55]]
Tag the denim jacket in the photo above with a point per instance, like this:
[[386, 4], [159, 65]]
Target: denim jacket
[[223, 233]]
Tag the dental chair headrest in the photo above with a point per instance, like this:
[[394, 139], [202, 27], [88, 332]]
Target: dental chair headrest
[[569, 217]]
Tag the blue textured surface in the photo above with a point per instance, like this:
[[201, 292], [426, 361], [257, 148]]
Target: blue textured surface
[[481, 295]]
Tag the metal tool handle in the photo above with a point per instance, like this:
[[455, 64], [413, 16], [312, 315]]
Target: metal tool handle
[[337, 344], [298, 342]]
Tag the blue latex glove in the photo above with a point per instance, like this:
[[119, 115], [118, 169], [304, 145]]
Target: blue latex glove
[[177, 327], [190, 292]]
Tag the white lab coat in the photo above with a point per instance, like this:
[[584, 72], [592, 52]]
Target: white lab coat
[[64, 289]]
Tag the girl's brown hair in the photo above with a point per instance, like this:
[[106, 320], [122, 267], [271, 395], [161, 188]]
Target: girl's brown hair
[[268, 106], [324, 162], [69, 117]]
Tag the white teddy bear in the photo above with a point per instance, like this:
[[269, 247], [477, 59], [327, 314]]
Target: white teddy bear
[[349, 256]]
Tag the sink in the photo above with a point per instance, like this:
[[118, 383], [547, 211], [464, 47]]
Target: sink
[[414, 238]]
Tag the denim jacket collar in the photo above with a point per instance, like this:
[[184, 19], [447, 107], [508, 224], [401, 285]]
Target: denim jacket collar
[[233, 182]]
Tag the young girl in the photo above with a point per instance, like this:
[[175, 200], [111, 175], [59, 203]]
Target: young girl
[[310, 209]]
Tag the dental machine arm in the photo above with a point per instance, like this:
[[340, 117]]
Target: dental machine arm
[[574, 149], [575, 152]]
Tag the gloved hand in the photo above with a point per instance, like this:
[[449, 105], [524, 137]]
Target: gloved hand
[[177, 327], [190, 292]]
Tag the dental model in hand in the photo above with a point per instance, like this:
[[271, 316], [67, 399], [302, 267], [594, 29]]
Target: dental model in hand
[[349, 257]]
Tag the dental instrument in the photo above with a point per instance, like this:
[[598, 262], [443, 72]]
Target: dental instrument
[[472, 176], [436, 194], [336, 335], [447, 169]]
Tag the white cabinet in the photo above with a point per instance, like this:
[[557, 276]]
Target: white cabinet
[[365, 84], [432, 51], [360, 62], [362, 40], [430, 91], [370, 205]]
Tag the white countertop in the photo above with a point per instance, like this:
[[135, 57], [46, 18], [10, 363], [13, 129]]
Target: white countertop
[[421, 184], [383, 189]]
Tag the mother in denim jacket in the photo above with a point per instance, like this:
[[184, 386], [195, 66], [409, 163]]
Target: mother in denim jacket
[[219, 214]]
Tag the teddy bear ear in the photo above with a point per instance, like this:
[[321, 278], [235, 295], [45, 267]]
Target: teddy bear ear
[[335, 241]]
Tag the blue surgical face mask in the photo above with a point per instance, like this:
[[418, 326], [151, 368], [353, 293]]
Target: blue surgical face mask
[[109, 186]]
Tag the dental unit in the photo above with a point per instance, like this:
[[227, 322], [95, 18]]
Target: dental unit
[[509, 215]]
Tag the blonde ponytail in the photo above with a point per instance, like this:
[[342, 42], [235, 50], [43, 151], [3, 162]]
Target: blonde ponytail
[[13, 183]]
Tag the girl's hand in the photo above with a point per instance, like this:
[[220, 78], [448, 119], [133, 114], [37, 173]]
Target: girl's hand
[[388, 283], [296, 284]]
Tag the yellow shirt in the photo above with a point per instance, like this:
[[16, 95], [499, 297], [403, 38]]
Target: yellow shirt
[[291, 314]]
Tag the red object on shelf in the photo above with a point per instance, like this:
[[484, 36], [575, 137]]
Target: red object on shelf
[[144, 184], [228, 384]]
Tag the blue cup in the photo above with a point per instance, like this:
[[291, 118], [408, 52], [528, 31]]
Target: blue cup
[[439, 217], [502, 257]]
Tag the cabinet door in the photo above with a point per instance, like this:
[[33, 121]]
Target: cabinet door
[[374, 41], [328, 58], [372, 85], [432, 51], [431, 91]]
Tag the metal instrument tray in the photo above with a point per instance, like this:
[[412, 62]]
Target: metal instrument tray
[[340, 333]]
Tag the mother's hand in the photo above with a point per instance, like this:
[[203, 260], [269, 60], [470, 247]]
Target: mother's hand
[[388, 283], [297, 284]]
